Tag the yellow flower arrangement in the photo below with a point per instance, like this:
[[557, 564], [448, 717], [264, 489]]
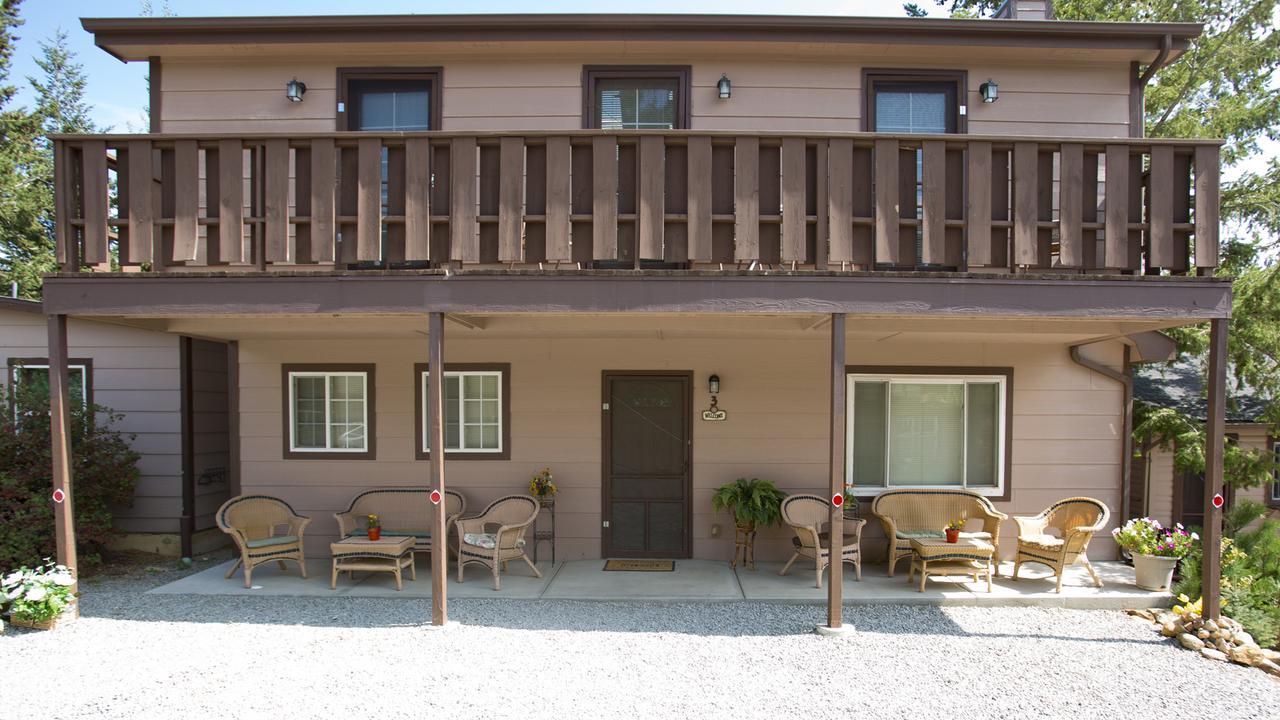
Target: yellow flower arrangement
[[541, 485]]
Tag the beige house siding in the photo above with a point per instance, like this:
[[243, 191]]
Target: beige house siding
[[1065, 425], [791, 90], [135, 373], [1161, 485]]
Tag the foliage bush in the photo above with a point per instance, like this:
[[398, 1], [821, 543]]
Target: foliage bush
[[753, 502], [104, 473], [1250, 576]]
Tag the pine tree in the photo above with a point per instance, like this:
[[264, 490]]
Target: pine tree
[[25, 201]]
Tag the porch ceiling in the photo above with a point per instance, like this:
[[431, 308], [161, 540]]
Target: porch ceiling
[[861, 329]]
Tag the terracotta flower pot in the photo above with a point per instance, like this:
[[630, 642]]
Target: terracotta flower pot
[[375, 533], [952, 535]]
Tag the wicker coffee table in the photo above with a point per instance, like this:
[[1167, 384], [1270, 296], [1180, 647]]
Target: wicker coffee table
[[388, 554], [939, 557]]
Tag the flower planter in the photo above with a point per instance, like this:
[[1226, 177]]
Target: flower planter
[[67, 615], [953, 536], [375, 533], [1152, 572]]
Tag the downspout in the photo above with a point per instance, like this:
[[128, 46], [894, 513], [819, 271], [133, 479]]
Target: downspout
[[1125, 378], [186, 528], [1166, 47]]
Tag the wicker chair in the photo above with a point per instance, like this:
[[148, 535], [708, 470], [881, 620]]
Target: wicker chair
[[252, 521], [921, 513], [402, 511], [1075, 520], [512, 515], [807, 515]]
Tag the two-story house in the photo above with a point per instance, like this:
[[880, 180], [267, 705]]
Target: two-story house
[[911, 252]]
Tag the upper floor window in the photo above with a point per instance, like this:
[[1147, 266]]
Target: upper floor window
[[389, 99], [910, 429], [914, 101], [636, 98], [329, 410]]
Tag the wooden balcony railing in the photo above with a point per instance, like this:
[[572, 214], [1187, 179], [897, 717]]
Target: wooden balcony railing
[[855, 201]]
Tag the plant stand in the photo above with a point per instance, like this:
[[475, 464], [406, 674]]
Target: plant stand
[[548, 534], [744, 546]]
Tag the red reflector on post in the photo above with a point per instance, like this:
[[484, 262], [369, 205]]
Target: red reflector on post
[[837, 499], [1218, 501], [59, 496], [435, 497]]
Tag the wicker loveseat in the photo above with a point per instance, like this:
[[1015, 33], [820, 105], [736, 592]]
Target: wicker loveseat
[[921, 513], [402, 512]]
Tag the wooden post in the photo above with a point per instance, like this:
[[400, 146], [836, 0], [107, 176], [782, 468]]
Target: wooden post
[[60, 432], [1215, 436], [435, 414], [835, 580]]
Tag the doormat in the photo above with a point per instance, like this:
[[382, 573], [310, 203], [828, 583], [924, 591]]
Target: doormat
[[639, 565]]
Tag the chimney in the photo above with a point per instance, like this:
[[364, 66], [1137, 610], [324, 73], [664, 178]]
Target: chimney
[[1025, 10]]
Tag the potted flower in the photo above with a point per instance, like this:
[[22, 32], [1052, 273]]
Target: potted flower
[[1156, 550], [37, 597], [754, 503], [374, 527], [543, 487], [953, 528], [850, 506]]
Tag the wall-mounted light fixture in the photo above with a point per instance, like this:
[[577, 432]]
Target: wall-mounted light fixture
[[294, 90], [724, 88], [714, 412], [990, 91]]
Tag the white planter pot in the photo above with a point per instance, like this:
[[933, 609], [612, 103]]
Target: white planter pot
[[1151, 572]]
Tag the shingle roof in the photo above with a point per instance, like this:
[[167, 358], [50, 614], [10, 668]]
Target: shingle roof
[[1180, 385]]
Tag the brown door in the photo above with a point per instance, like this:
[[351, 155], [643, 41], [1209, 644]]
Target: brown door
[[647, 460]]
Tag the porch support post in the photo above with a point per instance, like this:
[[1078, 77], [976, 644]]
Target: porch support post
[[435, 414], [835, 573], [1215, 436], [60, 433]]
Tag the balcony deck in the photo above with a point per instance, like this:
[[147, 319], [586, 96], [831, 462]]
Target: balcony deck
[[682, 200]]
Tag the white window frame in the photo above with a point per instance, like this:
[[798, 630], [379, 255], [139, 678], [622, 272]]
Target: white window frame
[[84, 376], [293, 409], [424, 441], [929, 379]]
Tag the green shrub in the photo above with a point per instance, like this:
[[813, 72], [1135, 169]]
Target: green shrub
[[1250, 580], [104, 473]]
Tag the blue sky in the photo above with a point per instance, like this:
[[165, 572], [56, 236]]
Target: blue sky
[[117, 91]]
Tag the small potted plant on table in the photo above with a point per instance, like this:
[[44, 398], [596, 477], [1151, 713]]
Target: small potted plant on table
[[543, 488], [38, 597], [953, 528], [850, 506], [373, 527], [1155, 549]]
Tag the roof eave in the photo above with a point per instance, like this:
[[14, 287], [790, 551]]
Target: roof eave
[[116, 34]]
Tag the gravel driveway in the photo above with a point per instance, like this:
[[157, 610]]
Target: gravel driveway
[[177, 656]]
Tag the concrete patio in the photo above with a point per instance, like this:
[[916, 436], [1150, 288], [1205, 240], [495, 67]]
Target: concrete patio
[[693, 581]]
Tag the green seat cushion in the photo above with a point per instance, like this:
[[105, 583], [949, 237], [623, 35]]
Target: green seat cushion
[[917, 534], [268, 542], [397, 533], [922, 534]]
